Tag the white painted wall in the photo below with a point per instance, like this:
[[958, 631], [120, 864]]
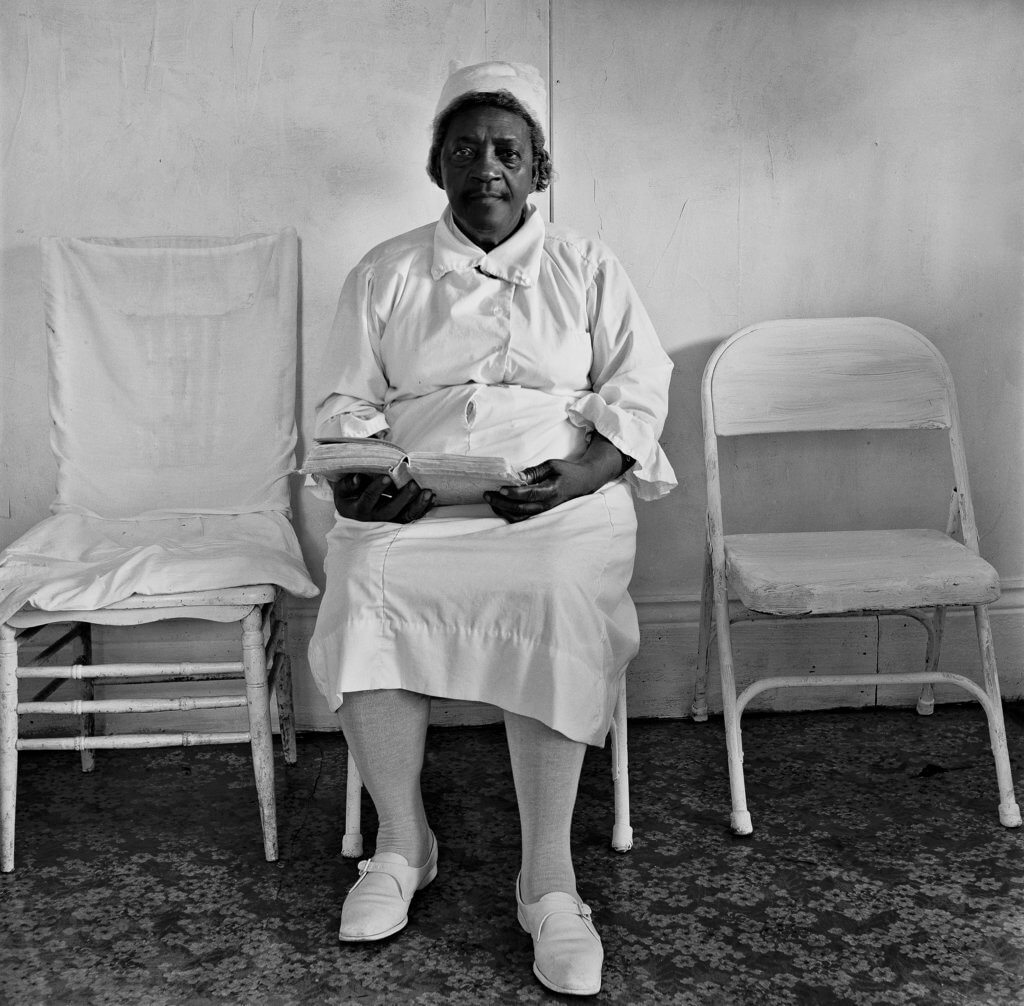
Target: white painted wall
[[795, 158], [746, 161]]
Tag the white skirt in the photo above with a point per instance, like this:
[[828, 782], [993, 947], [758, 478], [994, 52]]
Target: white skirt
[[532, 617]]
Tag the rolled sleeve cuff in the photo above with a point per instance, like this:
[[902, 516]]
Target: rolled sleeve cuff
[[651, 477], [343, 424], [351, 424]]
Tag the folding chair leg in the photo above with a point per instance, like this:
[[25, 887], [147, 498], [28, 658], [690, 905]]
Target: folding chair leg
[[926, 700], [622, 831], [352, 840], [254, 663], [740, 820], [699, 707], [1009, 811], [8, 744]]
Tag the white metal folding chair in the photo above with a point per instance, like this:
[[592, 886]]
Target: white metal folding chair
[[172, 388], [622, 832], [833, 374]]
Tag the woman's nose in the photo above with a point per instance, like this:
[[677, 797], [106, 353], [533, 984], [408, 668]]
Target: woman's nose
[[488, 165]]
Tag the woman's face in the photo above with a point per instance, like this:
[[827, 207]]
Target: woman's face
[[487, 170]]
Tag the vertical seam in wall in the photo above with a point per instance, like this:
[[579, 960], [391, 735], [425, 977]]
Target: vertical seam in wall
[[739, 238], [551, 108]]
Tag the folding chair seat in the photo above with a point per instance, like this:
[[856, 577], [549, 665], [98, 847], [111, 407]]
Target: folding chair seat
[[826, 375], [172, 392], [622, 832]]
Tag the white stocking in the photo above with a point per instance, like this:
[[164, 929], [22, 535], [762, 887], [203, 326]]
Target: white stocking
[[386, 732], [546, 767]]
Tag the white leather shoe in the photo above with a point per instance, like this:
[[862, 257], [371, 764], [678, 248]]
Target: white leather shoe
[[567, 952], [377, 904]]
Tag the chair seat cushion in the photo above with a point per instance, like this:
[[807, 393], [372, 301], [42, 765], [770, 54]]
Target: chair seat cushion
[[828, 572], [74, 562]]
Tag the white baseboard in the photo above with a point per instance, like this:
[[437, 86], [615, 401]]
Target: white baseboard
[[661, 679]]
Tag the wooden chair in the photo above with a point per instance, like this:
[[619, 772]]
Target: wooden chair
[[195, 336], [622, 832], [831, 374]]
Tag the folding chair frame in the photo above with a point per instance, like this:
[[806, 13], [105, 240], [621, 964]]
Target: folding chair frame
[[718, 614]]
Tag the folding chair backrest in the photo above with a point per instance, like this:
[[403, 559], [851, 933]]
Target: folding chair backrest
[[829, 374], [172, 373]]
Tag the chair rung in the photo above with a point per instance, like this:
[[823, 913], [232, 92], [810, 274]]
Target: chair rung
[[111, 741], [162, 679], [864, 680], [185, 669], [77, 707]]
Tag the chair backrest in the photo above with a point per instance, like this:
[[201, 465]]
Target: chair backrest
[[172, 373], [824, 374]]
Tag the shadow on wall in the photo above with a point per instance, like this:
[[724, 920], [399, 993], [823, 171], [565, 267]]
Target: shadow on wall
[[671, 530], [806, 481]]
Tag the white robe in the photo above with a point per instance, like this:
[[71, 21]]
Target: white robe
[[521, 352]]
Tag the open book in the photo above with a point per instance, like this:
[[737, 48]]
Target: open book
[[454, 478]]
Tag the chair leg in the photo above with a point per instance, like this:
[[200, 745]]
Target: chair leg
[[88, 725], [254, 663], [1009, 811], [926, 700], [8, 744], [740, 819], [699, 707], [88, 720], [283, 685], [352, 840], [286, 708], [622, 832]]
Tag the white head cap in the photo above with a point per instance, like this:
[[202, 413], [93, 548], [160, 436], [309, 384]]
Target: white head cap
[[521, 80]]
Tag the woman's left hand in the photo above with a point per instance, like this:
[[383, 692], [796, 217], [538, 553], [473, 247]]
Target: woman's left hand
[[555, 481]]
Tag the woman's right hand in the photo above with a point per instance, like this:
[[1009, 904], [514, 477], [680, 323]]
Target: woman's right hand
[[360, 496]]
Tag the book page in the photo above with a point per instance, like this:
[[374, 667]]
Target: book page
[[454, 478], [354, 454], [457, 479]]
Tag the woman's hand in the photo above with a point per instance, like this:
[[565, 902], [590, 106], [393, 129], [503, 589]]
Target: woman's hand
[[553, 482], [359, 496]]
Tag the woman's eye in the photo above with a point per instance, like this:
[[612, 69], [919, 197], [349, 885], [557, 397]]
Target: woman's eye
[[511, 157], [461, 154]]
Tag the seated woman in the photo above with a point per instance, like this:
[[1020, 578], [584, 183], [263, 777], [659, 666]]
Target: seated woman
[[488, 333]]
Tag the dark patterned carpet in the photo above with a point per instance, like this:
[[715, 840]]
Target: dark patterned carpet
[[878, 873]]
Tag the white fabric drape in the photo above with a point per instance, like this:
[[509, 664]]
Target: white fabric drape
[[172, 368]]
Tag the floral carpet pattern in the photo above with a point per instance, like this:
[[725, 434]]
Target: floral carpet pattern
[[877, 873]]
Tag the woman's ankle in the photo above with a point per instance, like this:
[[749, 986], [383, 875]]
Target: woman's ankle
[[533, 887], [413, 844]]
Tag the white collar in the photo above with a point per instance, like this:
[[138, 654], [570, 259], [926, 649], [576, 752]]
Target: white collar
[[516, 259]]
